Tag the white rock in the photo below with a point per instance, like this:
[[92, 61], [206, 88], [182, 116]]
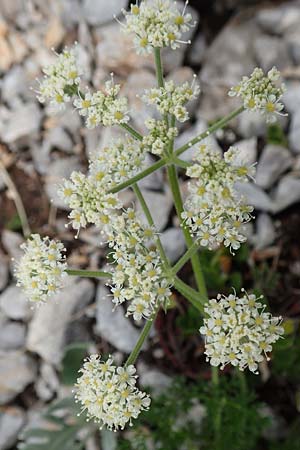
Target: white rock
[[154, 181], [235, 44], [12, 420], [294, 133], [113, 326], [271, 51], [3, 271], [265, 232], [247, 150], [136, 83], [17, 370], [115, 51], [287, 193], [255, 196], [279, 20], [160, 205], [274, 161], [12, 335], [97, 13], [197, 51], [153, 378], [251, 124], [291, 97], [173, 242], [57, 171], [23, 122], [58, 138], [46, 332], [14, 305], [11, 242]]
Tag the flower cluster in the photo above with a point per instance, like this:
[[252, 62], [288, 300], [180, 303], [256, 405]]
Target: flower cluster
[[156, 24], [171, 99], [261, 92], [137, 274], [159, 136], [61, 80], [90, 204], [237, 331], [103, 107], [88, 195], [119, 161], [109, 394], [214, 210], [41, 269]]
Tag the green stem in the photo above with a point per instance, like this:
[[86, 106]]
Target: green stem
[[159, 69], [139, 176], [180, 163], [162, 162], [173, 180], [132, 131], [215, 376], [149, 217], [138, 346], [219, 124], [88, 273], [190, 294], [181, 262]]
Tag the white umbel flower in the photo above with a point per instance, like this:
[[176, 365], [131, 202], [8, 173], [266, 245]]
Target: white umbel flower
[[171, 99], [159, 136], [88, 195], [103, 107], [41, 269], [137, 275], [238, 331], [157, 23], [61, 80], [261, 93], [213, 210], [108, 394]]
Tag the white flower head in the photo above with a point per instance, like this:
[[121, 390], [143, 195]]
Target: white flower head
[[214, 211], [137, 275], [261, 93], [103, 107], [61, 79], [109, 394], [238, 331], [157, 24], [88, 196], [41, 269], [171, 99], [159, 136]]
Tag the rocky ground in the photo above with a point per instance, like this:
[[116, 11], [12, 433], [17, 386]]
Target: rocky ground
[[38, 150]]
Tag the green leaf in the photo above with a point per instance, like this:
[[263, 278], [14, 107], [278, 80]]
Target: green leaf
[[72, 361], [62, 429]]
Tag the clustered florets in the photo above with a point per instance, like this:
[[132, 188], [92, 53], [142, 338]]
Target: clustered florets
[[261, 93], [171, 99], [156, 24], [213, 210], [88, 195], [137, 273], [61, 84], [41, 269], [237, 331], [61, 79], [159, 136], [103, 107], [109, 394]]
